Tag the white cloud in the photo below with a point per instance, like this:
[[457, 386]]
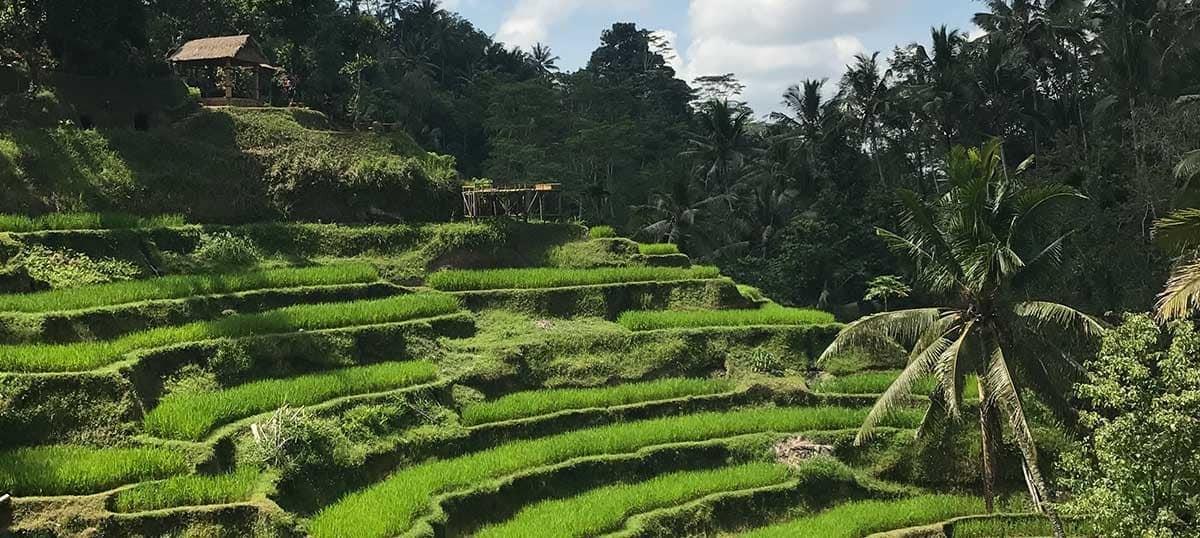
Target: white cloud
[[772, 44], [529, 21]]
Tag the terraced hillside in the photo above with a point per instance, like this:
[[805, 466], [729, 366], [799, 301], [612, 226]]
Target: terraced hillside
[[447, 380]]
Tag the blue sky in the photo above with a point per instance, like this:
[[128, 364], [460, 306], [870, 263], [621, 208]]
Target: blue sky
[[769, 44]]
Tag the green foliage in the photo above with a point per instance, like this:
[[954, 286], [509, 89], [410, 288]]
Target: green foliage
[[391, 506], [77, 470], [191, 415], [657, 249], [594, 254], [88, 355], [602, 232], [1137, 473], [884, 288], [771, 314], [752, 294], [605, 509], [862, 518], [500, 279], [61, 269], [226, 252], [293, 440], [542, 402], [1014, 526], [190, 490], [177, 287], [85, 221]]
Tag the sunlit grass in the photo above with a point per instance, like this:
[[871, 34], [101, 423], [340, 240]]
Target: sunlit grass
[[190, 416], [87, 355], [999, 527], [603, 510], [770, 314], [176, 287], [657, 249], [77, 470], [878, 383], [546, 277], [858, 519], [391, 506], [541, 402], [85, 221], [190, 490]]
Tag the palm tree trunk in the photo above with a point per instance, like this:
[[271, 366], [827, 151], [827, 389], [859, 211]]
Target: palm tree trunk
[[987, 448]]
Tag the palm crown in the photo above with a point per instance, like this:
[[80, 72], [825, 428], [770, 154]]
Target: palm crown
[[971, 248]]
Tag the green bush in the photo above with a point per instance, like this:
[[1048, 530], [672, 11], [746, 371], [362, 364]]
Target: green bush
[[499, 279], [175, 287], [602, 232], [657, 249], [293, 440], [62, 269], [87, 355], [767, 315], [857, 519], [85, 221], [226, 252], [605, 510], [390, 507], [542, 402], [77, 470], [190, 490], [191, 415]]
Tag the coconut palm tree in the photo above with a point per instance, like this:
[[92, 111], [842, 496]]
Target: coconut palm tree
[[722, 144], [543, 59], [1179, 233], [971, 248]]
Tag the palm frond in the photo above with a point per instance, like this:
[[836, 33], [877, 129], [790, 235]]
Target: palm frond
[[872, 332], [949, 371], [1179, 231], [1004, 394], [1188, 167], [1182, 294], [900, 391], [1043, 313]]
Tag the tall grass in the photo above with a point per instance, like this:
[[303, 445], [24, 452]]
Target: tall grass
[[878, 382], [858, 519], [87, 355], [657, 249], [85, 221], [771, 314], [190, 490], [391, 506], [602, 232], [541, 402], [604, 510], [176, 287], [190, 416], [77, 470], [546, 277]]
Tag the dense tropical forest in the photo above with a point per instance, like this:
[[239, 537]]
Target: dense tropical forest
[[1007, 223]]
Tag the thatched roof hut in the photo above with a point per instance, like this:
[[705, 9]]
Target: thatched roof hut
[[239, 50]]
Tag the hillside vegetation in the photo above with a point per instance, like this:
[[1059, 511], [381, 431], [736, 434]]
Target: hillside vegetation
[[226, 165]]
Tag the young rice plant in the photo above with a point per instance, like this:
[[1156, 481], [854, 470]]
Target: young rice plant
[[78, 470], [544, 277], [541, 402], [772, 314]]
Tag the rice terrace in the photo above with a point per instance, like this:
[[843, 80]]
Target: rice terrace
[[395, 268]]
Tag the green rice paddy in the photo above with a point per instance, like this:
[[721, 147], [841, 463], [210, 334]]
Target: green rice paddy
[[770, 314], [548, 277], [78, 470], [542, 402]]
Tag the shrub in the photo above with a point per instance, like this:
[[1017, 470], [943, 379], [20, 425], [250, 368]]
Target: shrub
[[767, 315], [657, 249], [191, 380], [752, 294], [77, 470], [190, 416], [175, 287], [496, 279], [190, 490], [226, 252], [86, 355], [69, 269], [861, 518], [602, 232], [604, 510], [390, 507], [542, 402], [292, 439]]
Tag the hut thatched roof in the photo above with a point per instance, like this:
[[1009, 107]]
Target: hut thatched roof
[[238, 49]]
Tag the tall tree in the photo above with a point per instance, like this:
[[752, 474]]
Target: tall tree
[[970, 248]]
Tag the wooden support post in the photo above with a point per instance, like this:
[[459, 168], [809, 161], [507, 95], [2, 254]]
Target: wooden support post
[[258, 84]]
